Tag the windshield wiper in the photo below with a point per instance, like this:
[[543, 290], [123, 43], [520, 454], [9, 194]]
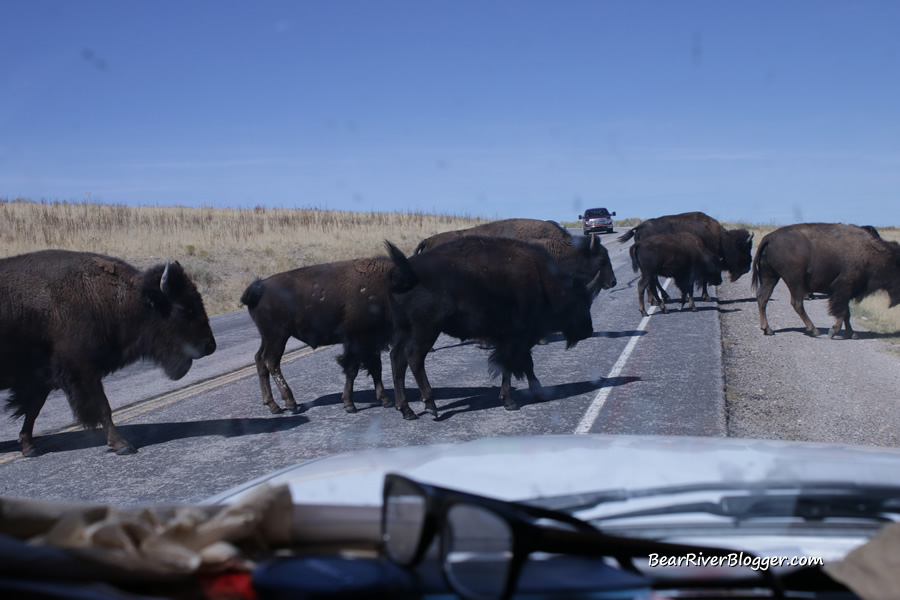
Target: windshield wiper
[[811, 502]]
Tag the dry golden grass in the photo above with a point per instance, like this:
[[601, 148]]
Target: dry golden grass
[[223, 249]]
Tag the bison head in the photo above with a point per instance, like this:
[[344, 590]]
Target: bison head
[[572, 313], [177, 330], [736, 251], [601, 274]]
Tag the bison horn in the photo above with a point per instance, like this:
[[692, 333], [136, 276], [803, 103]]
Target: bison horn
[[164, 280]]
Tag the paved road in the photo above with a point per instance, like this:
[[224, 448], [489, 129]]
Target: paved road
[[210, 431]]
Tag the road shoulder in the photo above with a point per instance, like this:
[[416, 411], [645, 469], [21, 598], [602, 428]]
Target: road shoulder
[[794, 387]]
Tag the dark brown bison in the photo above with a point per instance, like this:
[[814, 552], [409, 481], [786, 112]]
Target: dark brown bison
[[68, 319], [845, 262], [732, 246], [508, 292], [334, 303], [583, 257], [681, 256]]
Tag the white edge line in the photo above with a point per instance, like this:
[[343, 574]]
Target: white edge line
[[593, 411]]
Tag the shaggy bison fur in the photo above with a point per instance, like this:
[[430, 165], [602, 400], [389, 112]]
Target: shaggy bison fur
[[68, 319], [844, 262], [505, 291], [334, 303]]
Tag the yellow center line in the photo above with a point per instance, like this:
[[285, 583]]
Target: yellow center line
[[141, 407]]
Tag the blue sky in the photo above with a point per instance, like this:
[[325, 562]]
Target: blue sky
[[758, 111]]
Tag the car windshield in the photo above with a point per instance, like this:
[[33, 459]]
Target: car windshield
[[310, 243]]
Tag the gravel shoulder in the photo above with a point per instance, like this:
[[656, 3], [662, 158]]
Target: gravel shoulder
[[794, 387]]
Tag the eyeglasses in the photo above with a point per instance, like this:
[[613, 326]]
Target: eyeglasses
[[485, 542]]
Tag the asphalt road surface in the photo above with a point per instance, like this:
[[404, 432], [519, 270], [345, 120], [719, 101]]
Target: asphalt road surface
[[210, 431]]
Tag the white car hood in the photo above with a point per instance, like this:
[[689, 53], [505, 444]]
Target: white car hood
[[525, 467]]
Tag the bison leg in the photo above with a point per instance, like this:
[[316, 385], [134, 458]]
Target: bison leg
[[849, 330], [845, 320], [797, 302], [372, 363], [398, 370], [509, 403], [662, 292], [410, 351], [517, 360], [534, 384], [350, 364], [687, 294], [837, 327], [268, 361], [839, 308], [33, 399], [91, 406], [763, 293], [652, 290], [704, 295], [416, 360], [642, 285]]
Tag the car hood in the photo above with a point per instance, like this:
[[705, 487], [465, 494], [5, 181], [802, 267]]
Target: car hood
[[527, 467]]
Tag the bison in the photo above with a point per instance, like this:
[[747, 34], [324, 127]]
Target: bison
[[68, 319], [732, 246], [681, 256], [334, 303], [845, 262], [508, 292], [583, 257]]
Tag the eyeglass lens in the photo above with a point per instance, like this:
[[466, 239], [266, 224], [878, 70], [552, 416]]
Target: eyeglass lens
[[403, 522], [477, 550]]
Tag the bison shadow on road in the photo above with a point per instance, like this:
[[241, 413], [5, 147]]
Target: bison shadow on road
[[362, 399], [822, 332], [749, 299], [485, 398], [149, 434], [558, 337]]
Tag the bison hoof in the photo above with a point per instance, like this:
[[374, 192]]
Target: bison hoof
[[511, 406], [387, 403], [854, 336], [350, 409], [432, 411], [126, 449], [31, 452], [274, 409], [410, 416]]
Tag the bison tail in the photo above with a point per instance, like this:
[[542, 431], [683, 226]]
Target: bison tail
[[635, 265], [626, 236], [754, 277], [252, 294], [401, 278]]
